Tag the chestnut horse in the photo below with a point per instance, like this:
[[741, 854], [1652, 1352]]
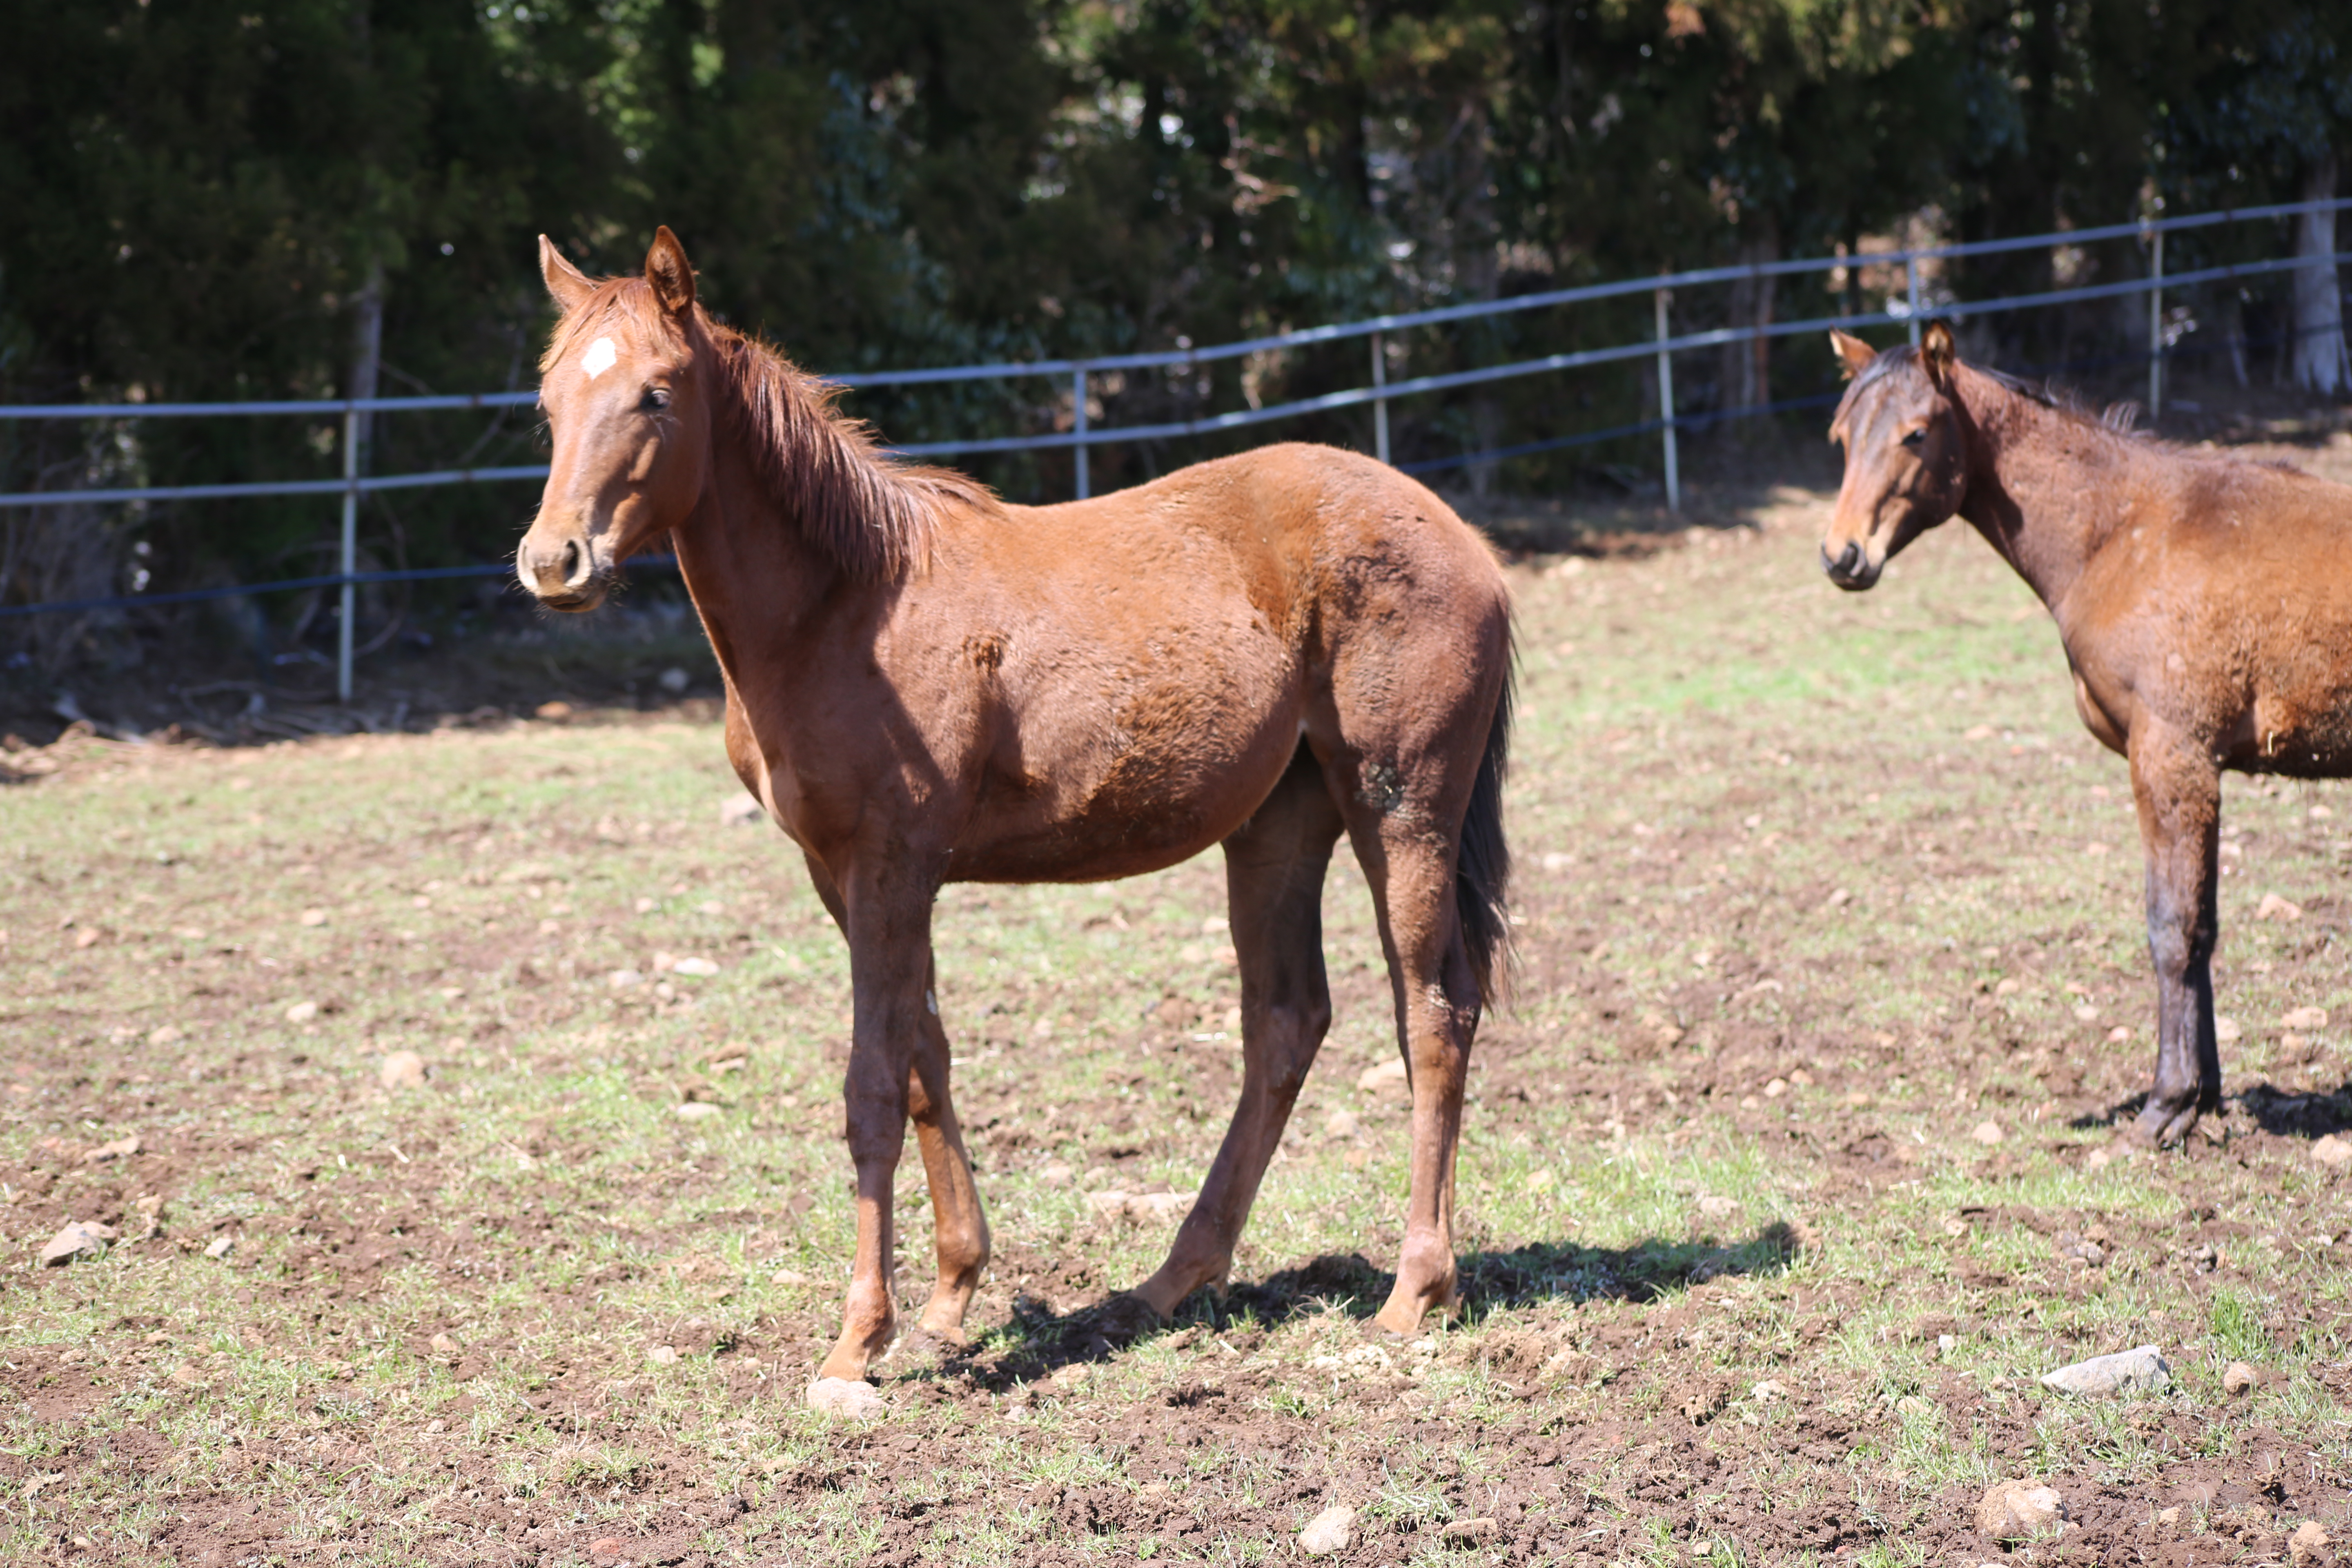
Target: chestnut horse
[[2201, 600], [926, 685]]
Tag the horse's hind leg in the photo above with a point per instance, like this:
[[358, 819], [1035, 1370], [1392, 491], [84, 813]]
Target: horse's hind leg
[[1274, 886], [1436, 993], [960, 1230], [2178, 792]]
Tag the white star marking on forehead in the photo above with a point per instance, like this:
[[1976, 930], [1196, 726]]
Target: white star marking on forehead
[[599, 357]]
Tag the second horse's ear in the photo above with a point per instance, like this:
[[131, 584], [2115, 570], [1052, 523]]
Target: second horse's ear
[[670, 273], [1938, 354], [1851, 352], [567, 284]]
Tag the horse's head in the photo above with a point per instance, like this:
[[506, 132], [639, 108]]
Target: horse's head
[[1906, 466], [630, 428]]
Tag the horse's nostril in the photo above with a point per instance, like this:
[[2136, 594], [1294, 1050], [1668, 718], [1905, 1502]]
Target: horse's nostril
[[1849, 560], [570, 562]]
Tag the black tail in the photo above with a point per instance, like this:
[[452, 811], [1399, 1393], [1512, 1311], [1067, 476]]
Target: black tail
[[1482, 875]]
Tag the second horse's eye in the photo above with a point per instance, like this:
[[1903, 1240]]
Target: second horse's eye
[[1914, 437], [655, 399]]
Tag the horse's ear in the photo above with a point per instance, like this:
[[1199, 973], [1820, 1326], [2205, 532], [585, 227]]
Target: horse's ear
[[1851, 352], [568, 285], [670, 273], [1938, 354]]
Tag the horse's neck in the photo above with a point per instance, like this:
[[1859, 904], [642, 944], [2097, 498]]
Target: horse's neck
[[2042, 488], [754, 578]]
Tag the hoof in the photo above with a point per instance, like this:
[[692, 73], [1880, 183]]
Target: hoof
[[1127, 1317], [844, 1400], [2162, 1127]]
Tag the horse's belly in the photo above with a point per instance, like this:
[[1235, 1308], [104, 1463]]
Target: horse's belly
[[1143, 802]]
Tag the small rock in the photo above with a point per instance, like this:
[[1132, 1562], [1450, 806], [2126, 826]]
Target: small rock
[[302, 1012], [2273, 908], [605, 1546], [83, 1237], [662, 1355], [2139, 1370], [698, 1111], [1469, 1531], [119, 1149], [622, 979], [314, 916], [2239, 1377], [1714, 1205], [1540, 1181], [1776, 1088], [1115, 1204], [697, 967], [1328, 1533], [787, 1277], [1056, 1173], [402, 1069], [2168, 1515], [169, 1035], [1342, 1124], [222, 1246], [187, 1377], [2016, 1511], [1771, 1390], [844, 1400], [1387, 1079], [1987, 1133], [2335, 1151], [2305, 1018], [2307, 1544], [741, 811], [2228, 1031], [445, 1346]]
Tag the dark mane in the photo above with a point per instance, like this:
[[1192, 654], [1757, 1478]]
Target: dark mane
[[2118, 418], [872, 514]]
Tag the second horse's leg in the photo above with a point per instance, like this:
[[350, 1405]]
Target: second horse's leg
[[2179, 797], [1274, 889]]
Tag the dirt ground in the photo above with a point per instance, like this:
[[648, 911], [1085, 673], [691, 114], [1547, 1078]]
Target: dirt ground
[[465, 1105]]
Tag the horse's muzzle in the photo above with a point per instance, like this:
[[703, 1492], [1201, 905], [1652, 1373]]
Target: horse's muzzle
[[560, 573], [1850, 569]]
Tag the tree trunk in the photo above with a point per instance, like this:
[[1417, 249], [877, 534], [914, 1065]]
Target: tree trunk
[[2320, 361], [1745, 367]]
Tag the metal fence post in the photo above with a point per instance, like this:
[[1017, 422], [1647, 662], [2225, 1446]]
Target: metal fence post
[[1666, 409], [1079, 406], [1911, 282], [2155, 324], [1380, 404], [350, 555]]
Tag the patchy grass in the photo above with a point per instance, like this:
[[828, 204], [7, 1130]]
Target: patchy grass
[[1812, 888]]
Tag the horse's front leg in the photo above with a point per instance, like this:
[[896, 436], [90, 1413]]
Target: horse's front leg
[[960, 1228], [2178, 792], [889, 966]]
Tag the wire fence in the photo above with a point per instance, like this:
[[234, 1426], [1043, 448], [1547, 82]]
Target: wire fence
[[1907, 309]]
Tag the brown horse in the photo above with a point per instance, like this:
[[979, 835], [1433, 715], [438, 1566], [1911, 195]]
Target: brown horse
[[926, 685], [2201, 600]]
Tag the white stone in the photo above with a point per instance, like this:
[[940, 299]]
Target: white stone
[[846, 1400], [2016, 1511], [1328, 1533], [2140, 1371]]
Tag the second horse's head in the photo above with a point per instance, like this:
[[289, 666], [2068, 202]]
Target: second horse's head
[[1906, 466]]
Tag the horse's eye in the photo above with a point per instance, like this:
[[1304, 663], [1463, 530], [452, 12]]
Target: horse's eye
[[1916, 437], [655, 399]]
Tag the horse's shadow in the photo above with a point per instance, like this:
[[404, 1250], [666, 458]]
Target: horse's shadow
[[1037, 1342], [2312, 1115]]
